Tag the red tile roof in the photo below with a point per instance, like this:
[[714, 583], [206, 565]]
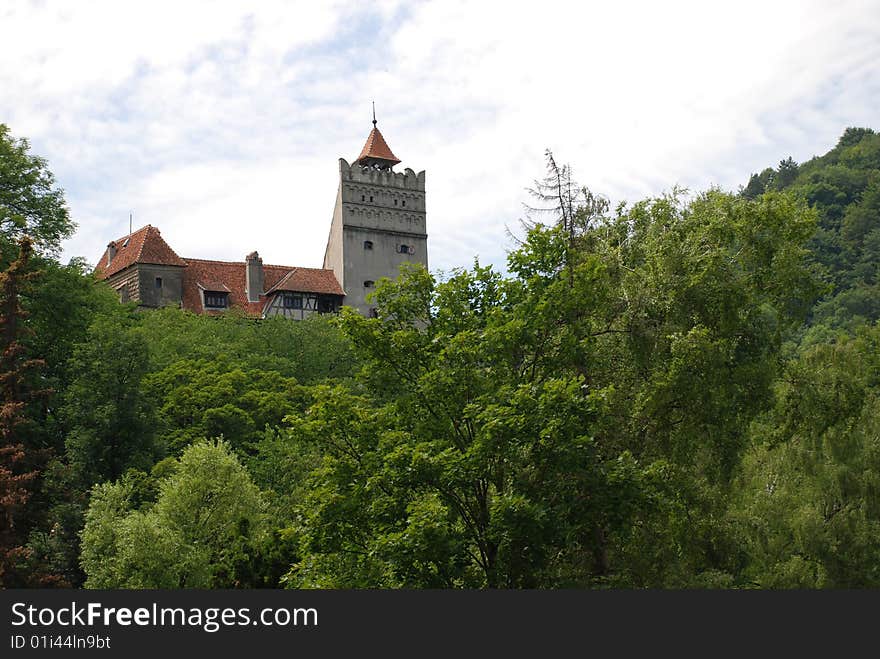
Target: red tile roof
[[147, 246], [307, 280], [377, 148], [217, 286], [230, 275], [143, 246]]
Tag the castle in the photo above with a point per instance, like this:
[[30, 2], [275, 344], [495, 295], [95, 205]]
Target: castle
[[378, 224]]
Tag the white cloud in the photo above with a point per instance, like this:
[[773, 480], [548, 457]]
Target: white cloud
[[221, 122]]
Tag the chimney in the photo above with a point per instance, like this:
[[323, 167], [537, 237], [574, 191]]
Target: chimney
[[253, 276], [111, 251]]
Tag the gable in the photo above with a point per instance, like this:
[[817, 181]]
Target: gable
[[145, 245]]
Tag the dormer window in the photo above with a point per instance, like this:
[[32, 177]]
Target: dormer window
[[216, 300], [368, 244]]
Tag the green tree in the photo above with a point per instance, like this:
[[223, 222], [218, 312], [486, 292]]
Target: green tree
[[808, 502], [208, 520], [110, 422], [30, 203], [62, 304], [214, 398], [555, 427], [309, 351], [786, 174], [759, 183]]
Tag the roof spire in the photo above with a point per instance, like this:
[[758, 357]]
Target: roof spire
[[376, 152]]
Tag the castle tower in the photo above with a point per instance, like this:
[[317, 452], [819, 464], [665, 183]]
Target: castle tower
[[378, 221]]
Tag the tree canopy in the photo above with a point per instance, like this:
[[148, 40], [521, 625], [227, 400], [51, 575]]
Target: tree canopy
[[30, 202], [678, 392]]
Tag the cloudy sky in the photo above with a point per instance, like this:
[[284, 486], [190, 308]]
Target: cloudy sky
[[221, 122]]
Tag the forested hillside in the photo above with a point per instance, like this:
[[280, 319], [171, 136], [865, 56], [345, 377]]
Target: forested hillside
[[681, 392], [844, 188]]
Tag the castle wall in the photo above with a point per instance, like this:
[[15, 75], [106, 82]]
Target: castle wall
[[333, 253], [125, 283], [383, 260], [171, 291], [384, 209]]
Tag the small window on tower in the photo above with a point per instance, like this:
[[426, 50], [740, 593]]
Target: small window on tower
[[368, 244], [395, 202], [403, 203], [373, 312], [404, 249], [158, 282], [363, 198], [371, 197], [369, 283]]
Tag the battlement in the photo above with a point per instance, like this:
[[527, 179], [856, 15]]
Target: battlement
[[405, 180]]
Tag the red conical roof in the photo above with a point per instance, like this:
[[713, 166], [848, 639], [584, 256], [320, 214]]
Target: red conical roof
[[376, 149]]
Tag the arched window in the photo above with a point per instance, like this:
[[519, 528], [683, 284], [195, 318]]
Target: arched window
[[368, 244]]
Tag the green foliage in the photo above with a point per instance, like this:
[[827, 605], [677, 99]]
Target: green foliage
[[309, 351], [843, 186], [214, 399], [809, 496], [62, 304], [207, 520], [786, 174], [110, 422], [280, 465], [759, 183], [30, 204], [657, 396], [545, 429]]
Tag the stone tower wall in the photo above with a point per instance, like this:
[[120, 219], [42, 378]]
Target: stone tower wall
[[384, 209]]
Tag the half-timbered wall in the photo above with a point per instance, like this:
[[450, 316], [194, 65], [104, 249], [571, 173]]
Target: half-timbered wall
[[312, 303]]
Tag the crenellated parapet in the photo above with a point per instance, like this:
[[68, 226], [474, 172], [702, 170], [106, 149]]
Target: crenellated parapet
[[405, 180]]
